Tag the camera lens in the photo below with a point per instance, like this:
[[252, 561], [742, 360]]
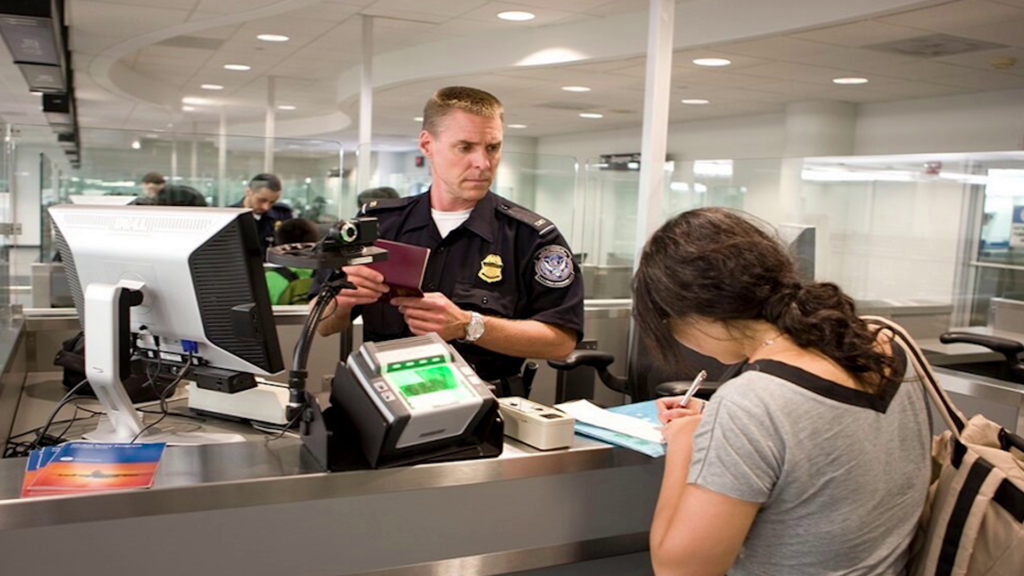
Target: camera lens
[[348, 232]]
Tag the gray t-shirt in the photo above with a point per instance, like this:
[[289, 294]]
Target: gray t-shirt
[[841, 475]]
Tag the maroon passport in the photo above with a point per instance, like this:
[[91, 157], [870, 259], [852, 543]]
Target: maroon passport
[[403, 270]]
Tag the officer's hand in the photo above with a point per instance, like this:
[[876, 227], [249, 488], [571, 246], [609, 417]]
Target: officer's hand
[[434, 312], [369, 287]]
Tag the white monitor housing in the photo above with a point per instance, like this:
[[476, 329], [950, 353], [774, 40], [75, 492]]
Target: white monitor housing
[[180, 282]]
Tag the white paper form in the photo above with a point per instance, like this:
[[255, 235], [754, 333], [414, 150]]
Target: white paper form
[[584, 411]]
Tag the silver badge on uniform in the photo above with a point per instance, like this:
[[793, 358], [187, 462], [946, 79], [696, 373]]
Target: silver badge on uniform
[[554, 266]]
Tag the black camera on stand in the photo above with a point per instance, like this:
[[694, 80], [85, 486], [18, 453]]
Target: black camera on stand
[[347, 243]]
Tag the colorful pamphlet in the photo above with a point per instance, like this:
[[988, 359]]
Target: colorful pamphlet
[[91, 467], [645, 414], [37, 460], [403, 270]]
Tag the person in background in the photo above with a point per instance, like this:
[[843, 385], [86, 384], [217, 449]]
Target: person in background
[[290, 286], [382, 193], [261, 196], [500, 282], [159, 193], [815, 458]]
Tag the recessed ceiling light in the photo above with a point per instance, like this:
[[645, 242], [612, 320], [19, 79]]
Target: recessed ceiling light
[[850, 80], [136, 145], [517, 126], [211, 87], [695, 101], [591, 115], [712, 62], [188, 109], [193, 100], [287, 107], [516, 16], [272, 38], [237, 67], [418, 119], [576, 88]]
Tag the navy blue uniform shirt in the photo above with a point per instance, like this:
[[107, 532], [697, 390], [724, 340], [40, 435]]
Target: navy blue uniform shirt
[[503, 261], [267, 223]]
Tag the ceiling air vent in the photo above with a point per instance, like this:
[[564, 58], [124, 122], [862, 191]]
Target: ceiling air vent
[[196, 42], [934, 46]]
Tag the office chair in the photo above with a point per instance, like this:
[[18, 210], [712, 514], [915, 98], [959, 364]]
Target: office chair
[[646, 379], [1010, 369]]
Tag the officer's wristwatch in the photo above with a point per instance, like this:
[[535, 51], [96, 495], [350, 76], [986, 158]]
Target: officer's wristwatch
[[475, 328]]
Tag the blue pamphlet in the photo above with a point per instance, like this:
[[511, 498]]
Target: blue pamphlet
[[647, 411]]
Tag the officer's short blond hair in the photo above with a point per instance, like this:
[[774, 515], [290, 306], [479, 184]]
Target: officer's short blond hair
[[471, 100]]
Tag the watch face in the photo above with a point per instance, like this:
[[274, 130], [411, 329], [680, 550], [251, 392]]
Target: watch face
[[475, 329]]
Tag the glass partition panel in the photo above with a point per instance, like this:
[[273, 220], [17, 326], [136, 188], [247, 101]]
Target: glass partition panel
[[113, 162]]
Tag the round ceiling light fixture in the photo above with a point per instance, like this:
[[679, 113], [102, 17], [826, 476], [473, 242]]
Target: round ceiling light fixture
[[850, 81], [712, 62], [516, 16]]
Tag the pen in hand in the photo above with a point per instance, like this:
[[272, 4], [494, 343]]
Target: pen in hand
[[693, 388]]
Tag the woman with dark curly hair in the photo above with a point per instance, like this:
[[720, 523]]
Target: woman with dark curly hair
[[815, 458]]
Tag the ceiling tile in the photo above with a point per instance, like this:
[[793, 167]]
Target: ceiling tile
[[1010, 33], [449, 8], [983, 81], [233, 6], [778, 48], [985, 60], [122, 21], [957, 15], [861, 33]]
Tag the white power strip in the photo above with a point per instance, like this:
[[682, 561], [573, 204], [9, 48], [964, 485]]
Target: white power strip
[[540, 426]]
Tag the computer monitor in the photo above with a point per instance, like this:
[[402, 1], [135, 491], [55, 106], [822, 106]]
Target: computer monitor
[[168, 282]]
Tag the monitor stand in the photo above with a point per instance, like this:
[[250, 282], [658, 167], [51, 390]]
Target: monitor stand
[[108, 356]]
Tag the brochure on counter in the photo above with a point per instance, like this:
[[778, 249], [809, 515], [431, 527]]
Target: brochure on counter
[[633, 426], [80, 467]]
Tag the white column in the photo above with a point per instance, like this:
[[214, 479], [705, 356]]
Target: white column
[[365, 108], [268, 144], [222, 159], [194, 173], [174, 156], [657, 89], [813, 128]]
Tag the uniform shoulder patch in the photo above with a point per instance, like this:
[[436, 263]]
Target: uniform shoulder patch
[[539, 223], [554, 267], [385, 203]]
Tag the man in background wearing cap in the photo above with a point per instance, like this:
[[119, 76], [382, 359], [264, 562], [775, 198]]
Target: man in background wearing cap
[[261, 196]]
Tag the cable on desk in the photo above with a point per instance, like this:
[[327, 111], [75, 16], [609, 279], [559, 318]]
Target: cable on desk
[[163, 398], [49, 421]]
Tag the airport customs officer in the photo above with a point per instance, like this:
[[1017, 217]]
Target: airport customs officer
[[501, 283]]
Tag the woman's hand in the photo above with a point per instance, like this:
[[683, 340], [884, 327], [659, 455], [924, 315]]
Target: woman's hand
[[680, 429], [669, 408]]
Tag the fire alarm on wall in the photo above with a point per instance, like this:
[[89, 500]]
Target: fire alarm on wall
[[419, 161]]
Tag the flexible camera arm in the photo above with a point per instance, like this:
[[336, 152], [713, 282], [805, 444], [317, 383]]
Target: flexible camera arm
[[350, 243]]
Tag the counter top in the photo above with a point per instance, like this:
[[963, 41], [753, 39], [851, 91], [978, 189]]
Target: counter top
[[267, 471]]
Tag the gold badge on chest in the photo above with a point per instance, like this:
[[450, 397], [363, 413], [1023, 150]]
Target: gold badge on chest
[[490, 268]]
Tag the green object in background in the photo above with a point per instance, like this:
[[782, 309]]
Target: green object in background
[[289, 286]]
